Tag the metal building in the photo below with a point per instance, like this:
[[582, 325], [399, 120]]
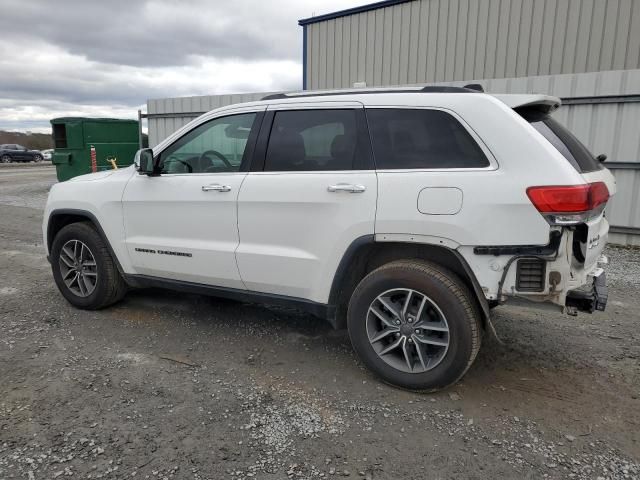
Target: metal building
[[585, 51], [397, 42]]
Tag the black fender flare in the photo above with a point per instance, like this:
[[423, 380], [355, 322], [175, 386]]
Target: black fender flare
[[356, 247], [77, 213]]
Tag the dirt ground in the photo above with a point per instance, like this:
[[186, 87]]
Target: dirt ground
[[174, 386]]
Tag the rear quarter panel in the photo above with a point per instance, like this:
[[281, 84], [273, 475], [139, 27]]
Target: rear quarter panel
[[495, 208]]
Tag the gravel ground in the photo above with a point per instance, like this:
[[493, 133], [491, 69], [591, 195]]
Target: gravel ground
[[173, 386]]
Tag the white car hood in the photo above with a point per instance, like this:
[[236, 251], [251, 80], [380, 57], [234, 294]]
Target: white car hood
[[90, 177]]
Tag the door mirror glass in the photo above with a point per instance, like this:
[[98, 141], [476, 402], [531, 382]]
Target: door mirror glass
[[144, 161]]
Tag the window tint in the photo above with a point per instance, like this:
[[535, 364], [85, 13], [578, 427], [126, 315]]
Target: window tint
[[312, 140], [419, 138], [216, 146], [567, 144]]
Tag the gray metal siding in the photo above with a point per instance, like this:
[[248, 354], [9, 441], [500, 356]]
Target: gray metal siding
[[447, 40], [166, 115]]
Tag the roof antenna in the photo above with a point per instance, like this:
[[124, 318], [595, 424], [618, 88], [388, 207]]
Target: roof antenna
[[475, 86]]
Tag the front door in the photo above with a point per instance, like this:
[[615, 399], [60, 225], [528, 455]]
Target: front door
[[314, 194], [182, 224]]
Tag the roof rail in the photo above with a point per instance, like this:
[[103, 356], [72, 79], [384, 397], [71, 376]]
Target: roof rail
[[360, 91]]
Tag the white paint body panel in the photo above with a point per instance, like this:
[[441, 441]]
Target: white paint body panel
[[440, 200], [100, 194], [173, 213], [284, 233], [294, 232]]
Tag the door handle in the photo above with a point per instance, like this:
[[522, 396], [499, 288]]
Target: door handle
[[347, 187], [216, 188]]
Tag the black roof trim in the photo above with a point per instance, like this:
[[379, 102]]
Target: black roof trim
[[445, 89], [351, 11], [474, 86]]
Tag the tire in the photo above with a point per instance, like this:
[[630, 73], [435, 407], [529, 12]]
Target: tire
[[5, 159], [37, 158], [109, 286], [448, 305]]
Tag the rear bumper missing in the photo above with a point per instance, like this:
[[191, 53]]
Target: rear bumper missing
[[590, 299]]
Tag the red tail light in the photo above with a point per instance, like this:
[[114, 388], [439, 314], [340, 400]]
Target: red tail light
[[555, 202]]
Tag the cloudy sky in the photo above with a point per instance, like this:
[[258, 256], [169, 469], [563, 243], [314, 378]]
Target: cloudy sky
[[107, 57]]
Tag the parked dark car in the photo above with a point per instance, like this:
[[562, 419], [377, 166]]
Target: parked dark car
[[12, 152]]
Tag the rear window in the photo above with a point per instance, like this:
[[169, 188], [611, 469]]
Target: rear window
[[565, 142], [421, 138]]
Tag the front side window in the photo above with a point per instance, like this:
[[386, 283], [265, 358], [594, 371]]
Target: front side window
[[214, 147], [313, 140], [421, 138]]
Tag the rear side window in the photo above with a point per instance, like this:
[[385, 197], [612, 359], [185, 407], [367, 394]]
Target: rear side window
[[421, 138], [565, 142], [313, 140]]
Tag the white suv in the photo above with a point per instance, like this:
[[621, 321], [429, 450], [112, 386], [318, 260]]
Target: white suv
[[404, 215]]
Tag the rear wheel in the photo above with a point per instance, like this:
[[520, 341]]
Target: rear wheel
[[5, 159], [83, 268], [414, 324]]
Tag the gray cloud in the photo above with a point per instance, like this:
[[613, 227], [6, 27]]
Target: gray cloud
[[64, 56]]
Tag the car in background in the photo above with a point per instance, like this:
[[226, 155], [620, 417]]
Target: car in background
[[11, 152], [47, 154]]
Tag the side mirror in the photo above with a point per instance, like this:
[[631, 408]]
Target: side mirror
[[144, 161], [601, 158]]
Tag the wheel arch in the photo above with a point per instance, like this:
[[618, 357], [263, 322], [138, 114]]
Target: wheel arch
[[365, 255], [60, 218]]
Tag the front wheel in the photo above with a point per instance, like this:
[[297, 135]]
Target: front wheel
[[83, 268], [37, 158], [415, 325]]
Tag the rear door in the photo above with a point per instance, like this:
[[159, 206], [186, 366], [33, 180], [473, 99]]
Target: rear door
[[22, 153], [312, 192]]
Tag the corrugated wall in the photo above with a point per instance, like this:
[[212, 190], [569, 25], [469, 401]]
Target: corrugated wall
[[426, 41], [166, 115]]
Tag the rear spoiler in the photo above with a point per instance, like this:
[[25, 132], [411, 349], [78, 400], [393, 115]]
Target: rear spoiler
[[542, 104]]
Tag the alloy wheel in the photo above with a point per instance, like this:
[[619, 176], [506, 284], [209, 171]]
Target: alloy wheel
[[78, 268], [407, 330]]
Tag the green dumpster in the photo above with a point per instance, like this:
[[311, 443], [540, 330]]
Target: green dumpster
[[85, 145]]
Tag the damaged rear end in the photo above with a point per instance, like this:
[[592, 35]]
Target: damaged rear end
[[569, 271]]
